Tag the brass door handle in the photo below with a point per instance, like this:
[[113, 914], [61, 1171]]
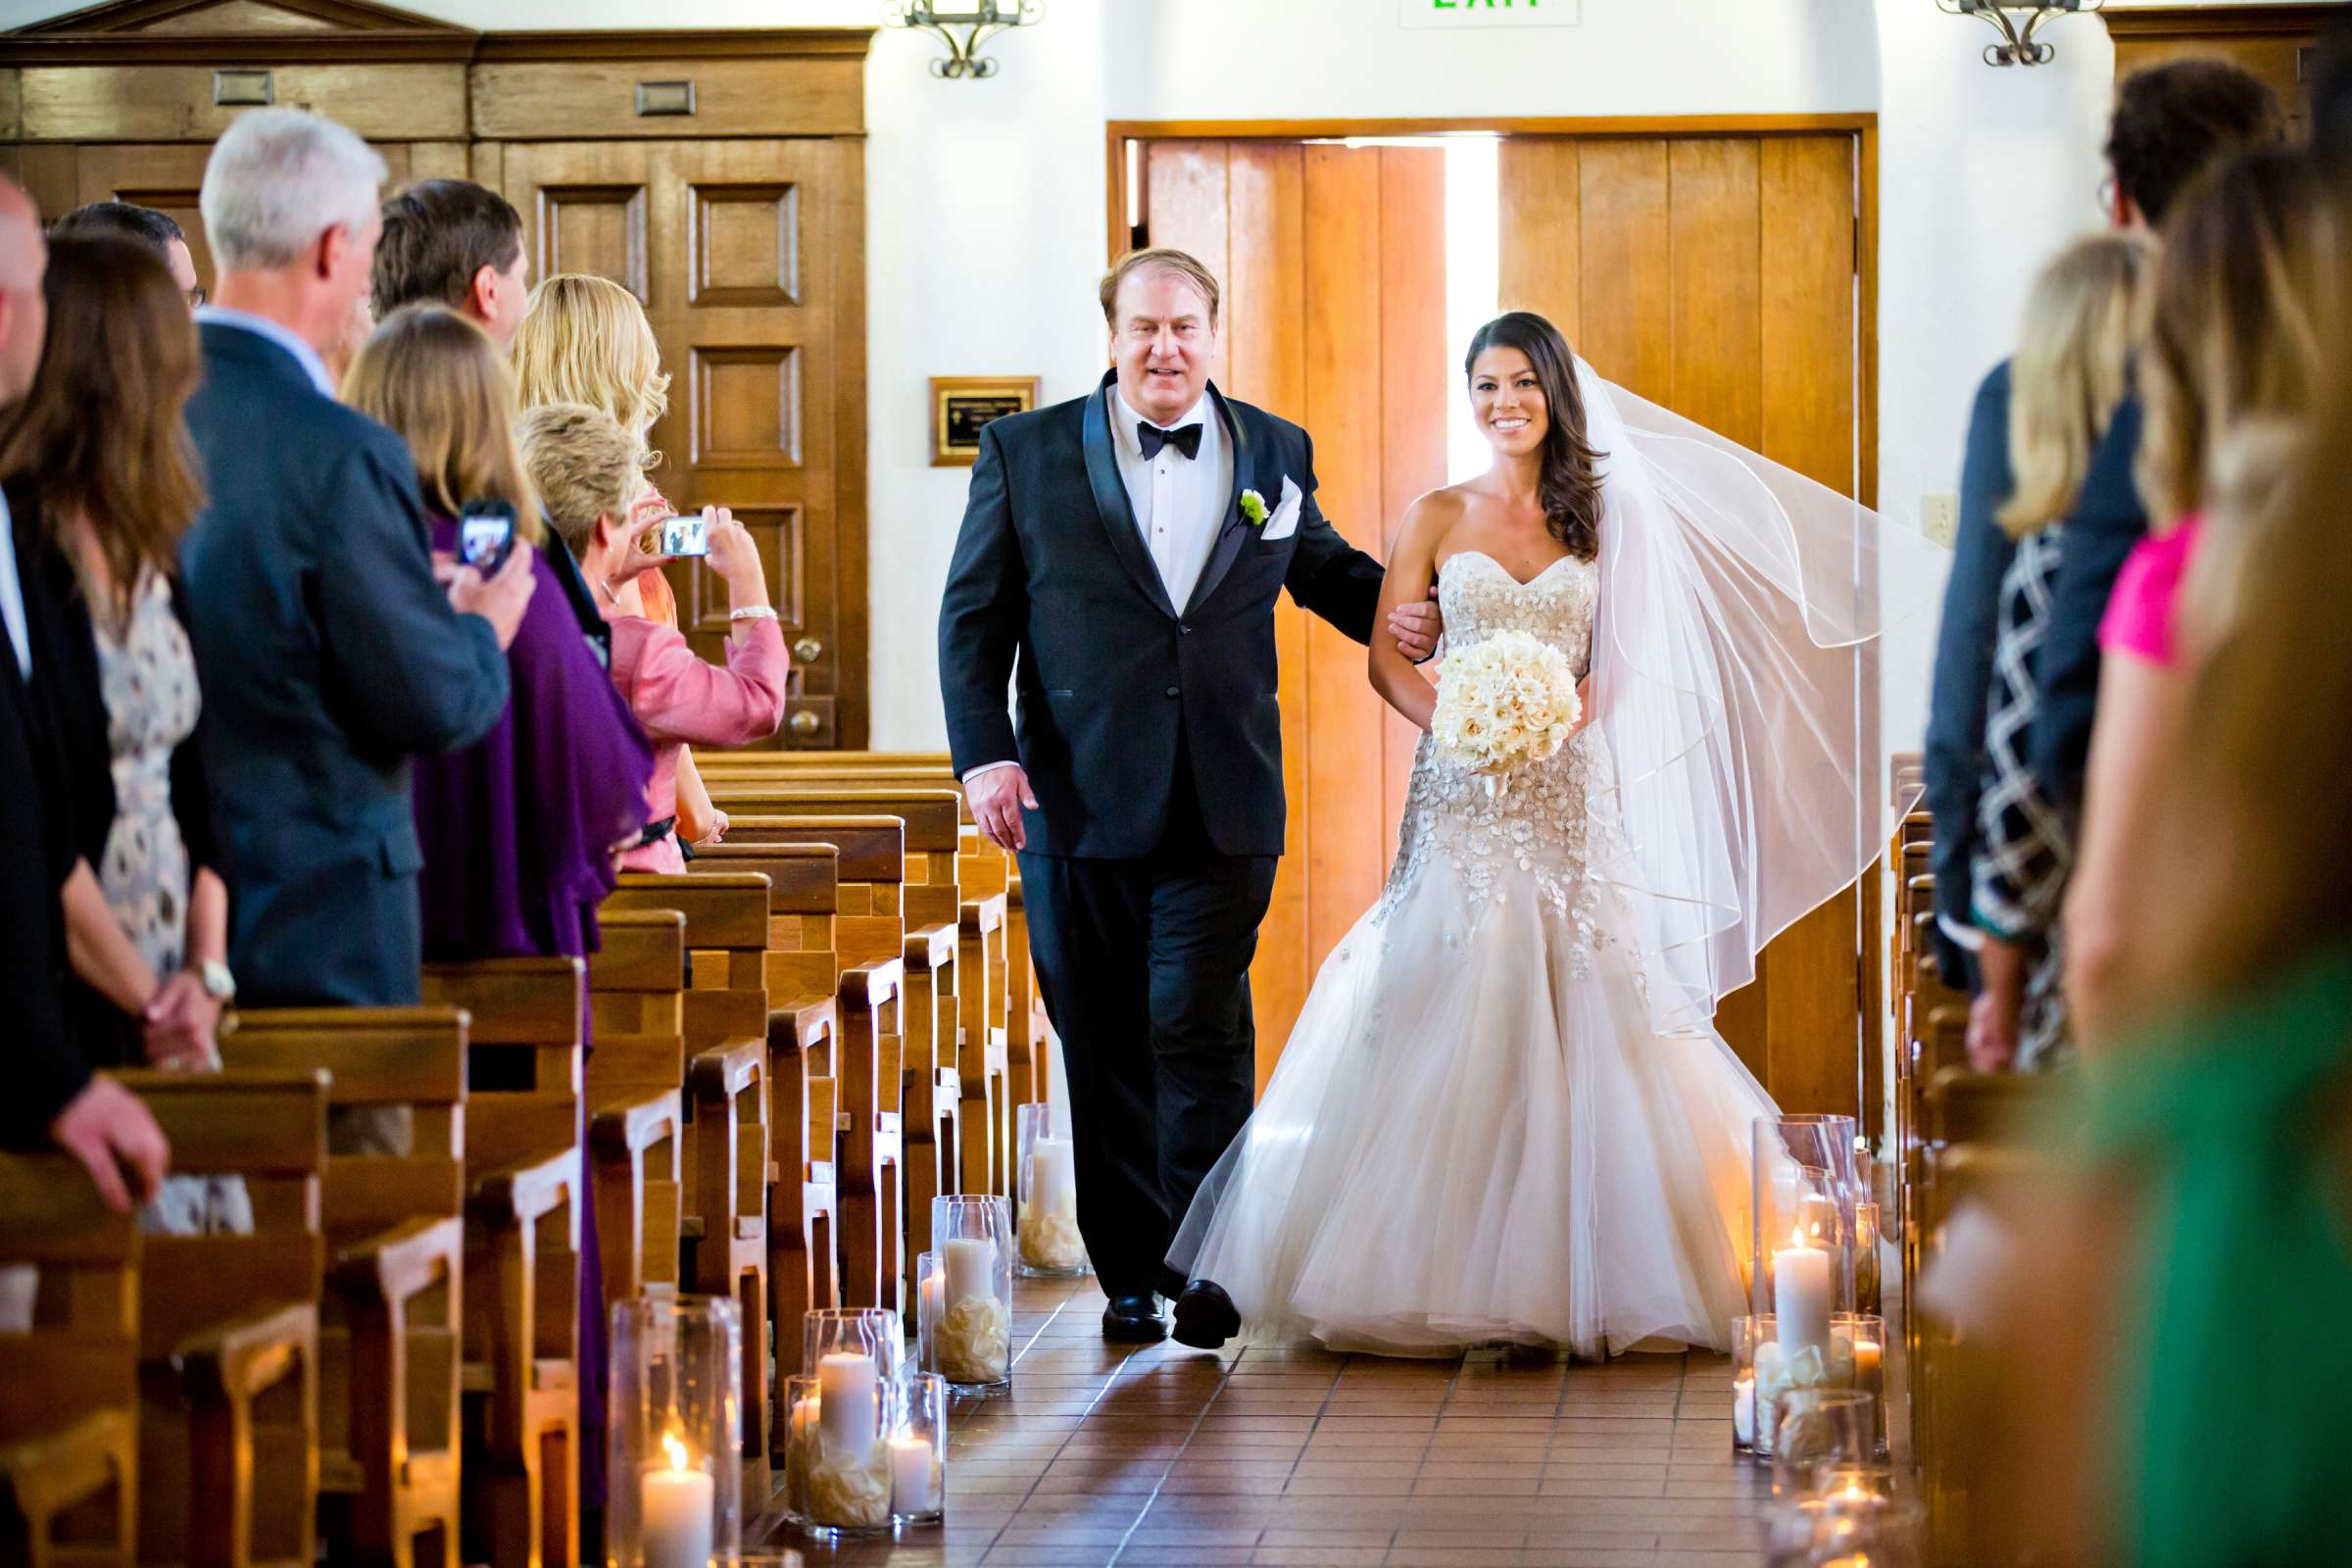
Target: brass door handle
[[808, 649], [804, 722]]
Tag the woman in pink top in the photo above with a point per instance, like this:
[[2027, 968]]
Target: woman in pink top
[[586, 471]]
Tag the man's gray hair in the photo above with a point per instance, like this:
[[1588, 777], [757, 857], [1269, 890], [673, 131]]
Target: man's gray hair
[[278, 179]]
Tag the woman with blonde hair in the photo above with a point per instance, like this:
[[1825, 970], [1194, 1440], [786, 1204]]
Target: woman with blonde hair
[[2245, 302], [2065, 382], [586, 340]]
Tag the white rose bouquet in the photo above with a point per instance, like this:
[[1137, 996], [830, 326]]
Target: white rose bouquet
[[1504, 702]]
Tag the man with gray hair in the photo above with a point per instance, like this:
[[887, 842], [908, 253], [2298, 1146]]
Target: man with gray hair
[[328, 652]]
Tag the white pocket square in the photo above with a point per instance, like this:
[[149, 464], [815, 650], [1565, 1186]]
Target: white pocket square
[[1285, 519]]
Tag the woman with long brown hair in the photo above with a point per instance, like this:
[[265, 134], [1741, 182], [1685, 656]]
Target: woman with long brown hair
[[98, 468]]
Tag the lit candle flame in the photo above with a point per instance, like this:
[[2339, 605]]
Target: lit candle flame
[[675, 1448], [1796, 1235]]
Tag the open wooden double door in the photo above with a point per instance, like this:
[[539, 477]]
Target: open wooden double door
[[1721, 274]]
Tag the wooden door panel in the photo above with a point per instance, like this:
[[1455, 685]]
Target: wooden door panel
[[1625, 312], [1541, 181], [755, 292]]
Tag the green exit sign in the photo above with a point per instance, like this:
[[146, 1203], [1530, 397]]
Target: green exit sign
[[1439, 15]]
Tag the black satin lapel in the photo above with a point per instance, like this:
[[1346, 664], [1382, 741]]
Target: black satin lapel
[[1111, 504], [1235, 531]]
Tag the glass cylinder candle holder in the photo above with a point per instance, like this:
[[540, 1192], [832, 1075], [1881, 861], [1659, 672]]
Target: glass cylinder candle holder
[[1816, 1432], [1805, 1193], [1840, 1530], [1749, 1334], [918, 1452], [1859, 1339], [875, 1333], [1048, 1189], [973, 1342], [674, 1456], [1866, 1259], [837, 1466], [930, 1284]]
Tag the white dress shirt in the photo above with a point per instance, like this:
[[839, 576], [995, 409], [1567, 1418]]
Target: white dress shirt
[[1180, 502], [283, 337], [12, 594]]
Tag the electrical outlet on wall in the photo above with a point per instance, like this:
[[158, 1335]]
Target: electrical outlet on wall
[[1939, 519]]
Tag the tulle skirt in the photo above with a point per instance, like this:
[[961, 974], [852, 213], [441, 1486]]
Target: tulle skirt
[[1475, 1134]]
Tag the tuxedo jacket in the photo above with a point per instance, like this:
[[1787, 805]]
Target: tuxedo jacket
[[1115, 687], [328, 655]]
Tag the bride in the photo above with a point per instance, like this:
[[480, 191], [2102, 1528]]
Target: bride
[[1505, 1113]]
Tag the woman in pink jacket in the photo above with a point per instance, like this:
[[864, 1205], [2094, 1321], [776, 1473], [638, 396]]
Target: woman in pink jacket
[[586, 468]]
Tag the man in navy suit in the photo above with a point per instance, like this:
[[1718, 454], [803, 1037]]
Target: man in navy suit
[[327, 651], [1119, 562]]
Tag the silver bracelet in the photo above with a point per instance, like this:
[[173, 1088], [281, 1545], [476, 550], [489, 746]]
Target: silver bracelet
[[753, 612]]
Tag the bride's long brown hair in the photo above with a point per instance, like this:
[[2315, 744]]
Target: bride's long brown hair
[[1570, 485]]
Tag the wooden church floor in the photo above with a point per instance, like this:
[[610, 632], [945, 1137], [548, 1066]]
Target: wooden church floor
[[1158, 1456]]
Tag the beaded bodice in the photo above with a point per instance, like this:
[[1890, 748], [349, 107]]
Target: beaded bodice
[[1533, 824]]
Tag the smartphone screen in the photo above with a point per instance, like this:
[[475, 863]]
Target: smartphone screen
[[687, 535], [485, 534]]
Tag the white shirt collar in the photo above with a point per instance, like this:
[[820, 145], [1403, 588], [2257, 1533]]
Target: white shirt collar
[[12, 595], [276, 332], [1124, 420]]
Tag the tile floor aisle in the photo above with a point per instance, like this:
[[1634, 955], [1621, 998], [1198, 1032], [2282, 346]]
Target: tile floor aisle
[[1164, 1457]]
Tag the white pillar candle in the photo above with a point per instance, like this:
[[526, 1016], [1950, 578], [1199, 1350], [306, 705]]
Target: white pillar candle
[[1743, 1407], [1801, 1299], [677, 1512], [971, 1267], [1052, 1178], [1817, 1219], [934, 1297], [912, 1486], [846, 1409]]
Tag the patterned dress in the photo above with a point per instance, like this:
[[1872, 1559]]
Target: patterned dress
[[147, 674]]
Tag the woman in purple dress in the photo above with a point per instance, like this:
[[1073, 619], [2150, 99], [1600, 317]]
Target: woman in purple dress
[[521, 830]]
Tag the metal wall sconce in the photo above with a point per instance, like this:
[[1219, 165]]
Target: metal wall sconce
[[980, 19], [2018, 23]]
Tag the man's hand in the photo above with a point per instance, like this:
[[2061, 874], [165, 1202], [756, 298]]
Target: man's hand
[[500, 599], [182, 1023], [996, 797], [112, 1133], [1417, 628]]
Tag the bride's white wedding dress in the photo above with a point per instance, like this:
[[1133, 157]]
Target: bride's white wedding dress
[[1476, 1131]]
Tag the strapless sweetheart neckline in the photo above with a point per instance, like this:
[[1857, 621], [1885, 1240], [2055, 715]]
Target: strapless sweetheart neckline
[[1505, 571]]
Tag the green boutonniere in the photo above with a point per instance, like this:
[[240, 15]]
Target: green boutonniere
[[1253, 508]]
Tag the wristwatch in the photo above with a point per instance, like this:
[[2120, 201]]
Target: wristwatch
[[219, 984]]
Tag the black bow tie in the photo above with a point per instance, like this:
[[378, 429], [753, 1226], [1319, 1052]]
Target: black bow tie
[[1186, 440]]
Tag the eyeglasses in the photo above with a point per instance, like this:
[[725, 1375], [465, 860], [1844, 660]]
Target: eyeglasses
[[196, 297], [2107, 197]]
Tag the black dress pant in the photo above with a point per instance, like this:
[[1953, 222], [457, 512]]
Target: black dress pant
[[1145, 967]]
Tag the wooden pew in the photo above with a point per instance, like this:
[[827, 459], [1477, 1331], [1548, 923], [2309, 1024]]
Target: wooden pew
[[524, 1171], [69, 1388], [804, 976], [636, 1095], [392, 1317], [726, 1015], [867, 932], [228, 1328]]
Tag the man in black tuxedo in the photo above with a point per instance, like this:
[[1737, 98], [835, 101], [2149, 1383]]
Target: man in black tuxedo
[[1118, 565]]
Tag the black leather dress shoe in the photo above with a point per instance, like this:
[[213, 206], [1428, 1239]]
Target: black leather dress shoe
[[1205, 1316], [1133, 1320]]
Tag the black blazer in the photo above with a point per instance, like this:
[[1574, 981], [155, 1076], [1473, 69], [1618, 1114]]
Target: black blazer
[[2108, 520], [45, 1068], [1963, 682], [1052, 589], [329, 654]]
